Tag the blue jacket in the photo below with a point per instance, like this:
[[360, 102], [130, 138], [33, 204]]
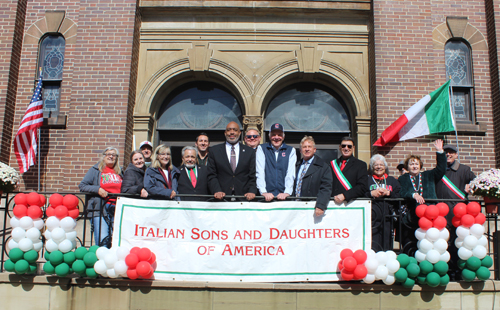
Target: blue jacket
[[156, 186], [275, 170]]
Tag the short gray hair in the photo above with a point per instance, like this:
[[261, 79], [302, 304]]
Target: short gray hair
[[192, 148], [374, 159]]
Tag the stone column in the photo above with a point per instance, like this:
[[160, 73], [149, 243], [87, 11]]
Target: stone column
[[363, 138], [143, 128]]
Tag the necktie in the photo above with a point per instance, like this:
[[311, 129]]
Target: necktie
[[192, 176], [233, 158], [343, 165], [299, 183]]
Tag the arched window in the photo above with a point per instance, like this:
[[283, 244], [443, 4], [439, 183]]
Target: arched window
[[51, 60], [459, 70]]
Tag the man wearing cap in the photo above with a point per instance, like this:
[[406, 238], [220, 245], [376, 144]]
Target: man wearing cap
[[276, 166], [252, 138], [202, 144], [401, 167], [147, 150], [350, 176]]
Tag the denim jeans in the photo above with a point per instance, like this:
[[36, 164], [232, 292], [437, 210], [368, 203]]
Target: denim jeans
[[102, 226]]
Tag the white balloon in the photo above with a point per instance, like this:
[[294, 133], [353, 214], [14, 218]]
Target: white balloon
[[420, 233], [37, 246], [33, 234], [120, 267], [14, 222], [58, 234], [73, 244], [392, 266], [482, 241], [432, 234], [381, 272], [445, 257], [477, 230], [462, 232], [13, 244], [382, 259], [419, 256], [370, 253], [459, 242], [441, 246], [26, 244], [47, 234], [68, 224], [112, 273], [478, 251], [470, 242], [26, 222], [444, 234], [464, 253], [389, 280], [18, 234], [391, 255], [65, 246], [102, 252], [121, 253], [51, 245], [38, 223], [110, 260], [425, 246], [71, 235], [371, 264], [433, 256], [100, 267], [52, 222], [369, 279]]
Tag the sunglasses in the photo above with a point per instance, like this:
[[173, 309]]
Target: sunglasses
[[252, 136], [346, 145]]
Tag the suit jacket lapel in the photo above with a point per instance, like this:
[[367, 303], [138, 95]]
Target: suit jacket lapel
[[226, 158], [240, 157]]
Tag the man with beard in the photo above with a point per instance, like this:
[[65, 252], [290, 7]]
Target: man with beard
[[276, 166], [231, 166], [252, 138], [193, 177], [202, 143]]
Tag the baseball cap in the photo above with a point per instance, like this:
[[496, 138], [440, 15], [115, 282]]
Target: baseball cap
[[143, 143], [277, 126], [401, 165], [450, 147]]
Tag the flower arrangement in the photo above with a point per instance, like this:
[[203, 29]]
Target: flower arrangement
[[487, 184], [9, 178]]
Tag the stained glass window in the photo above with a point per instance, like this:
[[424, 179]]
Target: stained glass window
[[51, 60]]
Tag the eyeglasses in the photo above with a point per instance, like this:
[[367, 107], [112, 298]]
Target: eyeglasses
[[252, 136], [110, 155], [164, 154], [346, 145]]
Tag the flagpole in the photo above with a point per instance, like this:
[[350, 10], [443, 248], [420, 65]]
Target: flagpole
[[453, 116], [39, 149]]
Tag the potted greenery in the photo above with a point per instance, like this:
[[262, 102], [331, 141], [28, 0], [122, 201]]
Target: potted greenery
[[9, 178]]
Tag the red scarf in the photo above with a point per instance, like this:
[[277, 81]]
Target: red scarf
[[169, 179], [380, 178]]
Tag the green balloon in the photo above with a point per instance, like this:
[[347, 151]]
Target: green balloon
[[89, 259], [461, 263], [413, 260], [413, 270], [403, 260], [56, 258], [421, 279], [21, 266], [441, 268], [425, 267], [31, 256], [473, 263], [47, 256], [69, 258], [482, 273], [80, 252], [433, 279], [16, 254], [93, 248], [91, 273], [401, 275], [79, 266], [444, 280], [32, 269], [468, 275], [409, 283], [49, 268], [487, 261], [62, 270], [9, 265]]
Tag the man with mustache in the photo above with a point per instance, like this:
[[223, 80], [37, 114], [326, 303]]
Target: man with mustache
[[193, 177]]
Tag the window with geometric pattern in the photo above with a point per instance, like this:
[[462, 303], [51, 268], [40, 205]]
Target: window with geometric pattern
[[51, 61]]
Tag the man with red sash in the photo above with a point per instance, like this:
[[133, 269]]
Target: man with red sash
[[349, 174]]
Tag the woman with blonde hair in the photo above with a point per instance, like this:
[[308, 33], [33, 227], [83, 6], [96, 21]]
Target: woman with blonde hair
[[161, 178], [133, 178]]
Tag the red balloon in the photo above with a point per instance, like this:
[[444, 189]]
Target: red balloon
[[50, 211], [480, 219], [152, 259], [360, 272], [56, 199], [35, 212], [455, 221], [420, 210], [132, 274], [443, 208], [74, 213], [460, 209], [439, 222], [346, 253], [21, 199], [33, 199], [43, 200], [61, 212], [350, 264], [431, 212], [144, 254], [143, 269], [424, 223], [467, 220], [20, 211], [150, 274], [473, 208], [340, 266], [131, 260], [70, 201], [360, 256], [135, 250], [346, 276]]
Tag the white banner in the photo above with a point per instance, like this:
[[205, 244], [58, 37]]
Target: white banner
[[243, 241]]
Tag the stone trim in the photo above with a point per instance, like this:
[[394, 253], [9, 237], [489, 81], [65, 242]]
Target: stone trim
[[53, 22]]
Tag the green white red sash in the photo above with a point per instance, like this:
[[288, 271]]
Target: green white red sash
[[453, 188], [340, 176]]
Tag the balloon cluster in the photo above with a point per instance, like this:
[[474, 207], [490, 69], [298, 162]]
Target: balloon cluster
[[111, 262], [141, 262], [433, 274], [432, 215], [475, 268], [61, 223], [21, 262], [468, 214], [27, 222], [80, 261], [432, 235], [381, 266], [352, 265], [63, 206], [408, 271]]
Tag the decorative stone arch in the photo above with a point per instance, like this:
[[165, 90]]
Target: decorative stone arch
[[53, 22], [459, 27]]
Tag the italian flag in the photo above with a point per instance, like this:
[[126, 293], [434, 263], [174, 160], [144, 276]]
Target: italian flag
[[431, 114]]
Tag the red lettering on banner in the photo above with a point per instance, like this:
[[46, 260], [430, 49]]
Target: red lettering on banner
[[311, 232], [155, 232], [208, 234], [251, 250], [151, 231], [274, 230], [346, 232], [319, 233], [336, 233], [302, 233], [257, 250], [328, 233]]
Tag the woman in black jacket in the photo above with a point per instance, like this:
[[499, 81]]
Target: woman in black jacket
[[133, 179]]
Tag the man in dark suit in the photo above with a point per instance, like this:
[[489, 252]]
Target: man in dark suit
[[193, 177], [350, 175], [231, 166], [313, 176]]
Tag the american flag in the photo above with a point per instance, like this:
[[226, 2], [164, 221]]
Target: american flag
[[25, 143]]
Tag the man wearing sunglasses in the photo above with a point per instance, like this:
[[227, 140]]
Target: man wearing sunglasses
[[349, 174], [252, 138]]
